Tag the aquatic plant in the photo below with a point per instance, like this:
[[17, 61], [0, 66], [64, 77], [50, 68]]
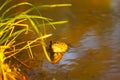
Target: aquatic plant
[[14, 25]]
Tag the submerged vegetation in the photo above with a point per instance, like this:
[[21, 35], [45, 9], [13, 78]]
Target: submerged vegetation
[[22, 23]]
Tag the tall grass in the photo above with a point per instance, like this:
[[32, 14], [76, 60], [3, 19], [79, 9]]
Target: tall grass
[[9, 33]]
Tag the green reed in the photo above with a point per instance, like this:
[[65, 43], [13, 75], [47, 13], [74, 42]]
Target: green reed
[[9, 34]]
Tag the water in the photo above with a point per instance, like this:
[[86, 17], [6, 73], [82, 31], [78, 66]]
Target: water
[[93, 36]]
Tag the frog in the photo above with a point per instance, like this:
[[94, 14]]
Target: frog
[[58, 49]]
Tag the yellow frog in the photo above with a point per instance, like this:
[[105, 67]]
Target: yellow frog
[[57, 51]]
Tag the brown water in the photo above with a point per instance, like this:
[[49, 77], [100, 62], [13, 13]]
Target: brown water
[[93, 36]]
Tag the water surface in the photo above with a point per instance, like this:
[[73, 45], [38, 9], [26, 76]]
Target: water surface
[[93, 38]]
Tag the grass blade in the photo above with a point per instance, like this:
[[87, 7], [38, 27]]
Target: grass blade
[[14, 6], [56, 5], [4, 4]]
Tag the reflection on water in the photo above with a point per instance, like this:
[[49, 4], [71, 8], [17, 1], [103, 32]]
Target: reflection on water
[[93, 38]]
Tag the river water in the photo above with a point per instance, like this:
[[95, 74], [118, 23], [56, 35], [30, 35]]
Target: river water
[[93, 36]]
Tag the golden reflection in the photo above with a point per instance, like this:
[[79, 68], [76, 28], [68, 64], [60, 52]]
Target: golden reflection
[[86, 17]]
